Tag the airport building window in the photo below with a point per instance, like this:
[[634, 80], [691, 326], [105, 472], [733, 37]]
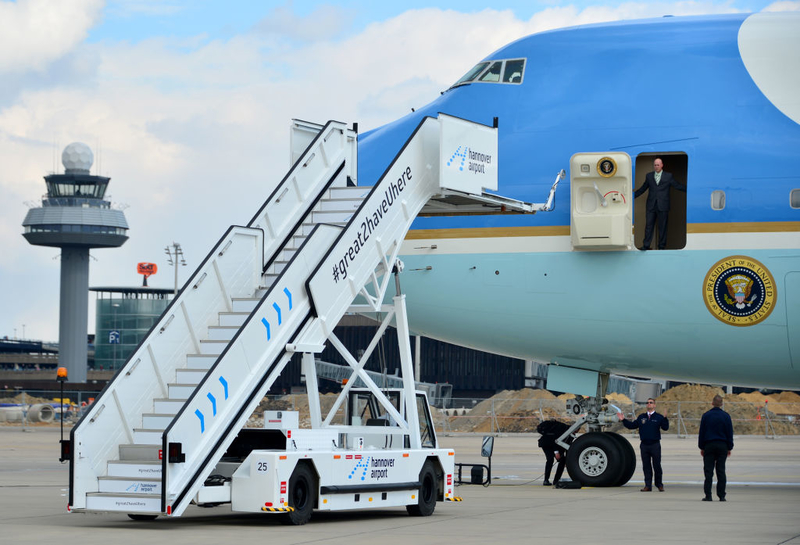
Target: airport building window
[[717, 199], [498, 71], [794, 198]]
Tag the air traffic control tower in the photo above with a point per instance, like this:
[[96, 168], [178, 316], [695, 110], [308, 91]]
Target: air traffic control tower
[[75, 217]]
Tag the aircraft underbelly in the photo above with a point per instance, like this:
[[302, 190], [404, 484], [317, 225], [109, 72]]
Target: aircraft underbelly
[[628, 312]]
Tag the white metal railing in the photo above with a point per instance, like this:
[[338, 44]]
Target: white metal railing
[[332, 150], [235, 267], [223, 401]]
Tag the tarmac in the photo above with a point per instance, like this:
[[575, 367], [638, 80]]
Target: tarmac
[[763, 504]]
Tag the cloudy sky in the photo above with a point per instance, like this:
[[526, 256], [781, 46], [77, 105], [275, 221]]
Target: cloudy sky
[[187, 104]]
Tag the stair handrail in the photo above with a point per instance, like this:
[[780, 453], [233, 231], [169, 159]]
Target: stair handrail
[[231, 269]]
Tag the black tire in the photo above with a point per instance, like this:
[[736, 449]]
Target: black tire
[[595, 459], [629, 458], [142, 518], [302, 495], [428, 492]]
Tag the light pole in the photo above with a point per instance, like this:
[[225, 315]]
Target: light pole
[[175, 251]]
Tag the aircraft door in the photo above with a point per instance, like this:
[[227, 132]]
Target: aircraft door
[[601, 201]]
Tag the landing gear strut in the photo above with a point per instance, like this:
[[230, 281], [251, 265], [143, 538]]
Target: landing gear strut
[[598, 458]]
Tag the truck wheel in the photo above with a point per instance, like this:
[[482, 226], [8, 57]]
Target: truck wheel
[[428, 488], [628, 456], [143, 517], [302, 495], [595, 459]]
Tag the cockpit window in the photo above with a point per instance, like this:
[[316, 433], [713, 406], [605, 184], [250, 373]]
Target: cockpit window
[[499, 71], [472, 74], [513, 71], [493, 73]]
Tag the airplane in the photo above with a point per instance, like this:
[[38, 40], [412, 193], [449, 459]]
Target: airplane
[[451, 190], [714, 98]]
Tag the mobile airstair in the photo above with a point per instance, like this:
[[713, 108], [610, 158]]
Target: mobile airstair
[[266, 291]]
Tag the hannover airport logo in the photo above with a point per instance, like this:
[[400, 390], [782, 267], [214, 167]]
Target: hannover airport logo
[[739, 291]]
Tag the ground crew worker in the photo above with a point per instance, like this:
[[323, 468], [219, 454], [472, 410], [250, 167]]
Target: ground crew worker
[[552, 430], [650, 424], [715, 440]]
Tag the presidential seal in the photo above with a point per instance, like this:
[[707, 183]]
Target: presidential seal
[[606, 167], [739, 291]]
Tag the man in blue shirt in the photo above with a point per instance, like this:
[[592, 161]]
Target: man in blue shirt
[[650, 425], [716, 443]]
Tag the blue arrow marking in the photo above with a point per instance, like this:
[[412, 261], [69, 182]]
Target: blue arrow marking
[[289, 295], [202, 420], [266, 324], [213, 404], [224, 385], [278, 310]]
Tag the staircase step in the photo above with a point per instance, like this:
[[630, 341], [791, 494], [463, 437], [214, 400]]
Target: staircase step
[[123, 502], [222, 332], [349, 192], [147, 436], [232, 318], [200, 362], [350, 204], [140, 453], [190, 376], [135, 469], [277, 267], [180, 391], [156, 421], [244, 305], [212, 346], [168, 406], [332, 216], [129, 485]]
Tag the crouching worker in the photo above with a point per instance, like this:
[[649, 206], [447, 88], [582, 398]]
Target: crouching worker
[[550, 431]]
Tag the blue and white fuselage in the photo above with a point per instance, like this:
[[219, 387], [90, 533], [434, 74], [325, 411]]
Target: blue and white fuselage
[[716, 94]]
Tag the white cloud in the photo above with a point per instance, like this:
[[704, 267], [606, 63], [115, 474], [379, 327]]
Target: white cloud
[[34, 33], [324, 22], [784, 5], [194, 132]]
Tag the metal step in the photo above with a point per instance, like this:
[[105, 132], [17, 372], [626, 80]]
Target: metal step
[[129, 485], [190, 376], [349, 192], [168, 406], [147, 436], [212, 346], [244, 305], [123, 502], [332, 216], [232, 318], [340, 204], [140, 453], [156, 421], [200, 362], [222, 332], [134, 469], [182, 391]]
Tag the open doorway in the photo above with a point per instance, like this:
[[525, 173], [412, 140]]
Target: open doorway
[[677, 164]]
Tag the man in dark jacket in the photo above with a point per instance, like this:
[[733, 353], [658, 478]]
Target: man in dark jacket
[[657, 184], [552, 430], [716, 443], [650, 424]]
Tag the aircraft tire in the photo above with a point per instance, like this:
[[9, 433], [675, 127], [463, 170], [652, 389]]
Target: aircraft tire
[[629, 458], [426, 498], [595, 459], [302, 495]]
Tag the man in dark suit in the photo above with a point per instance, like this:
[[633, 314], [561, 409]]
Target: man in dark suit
[[658, 184], [650, 425], [715, 440]]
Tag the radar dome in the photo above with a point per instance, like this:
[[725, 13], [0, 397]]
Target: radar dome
[[77, 158]]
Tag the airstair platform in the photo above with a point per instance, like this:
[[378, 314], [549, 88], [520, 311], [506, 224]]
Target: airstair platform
[[269, 289]]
